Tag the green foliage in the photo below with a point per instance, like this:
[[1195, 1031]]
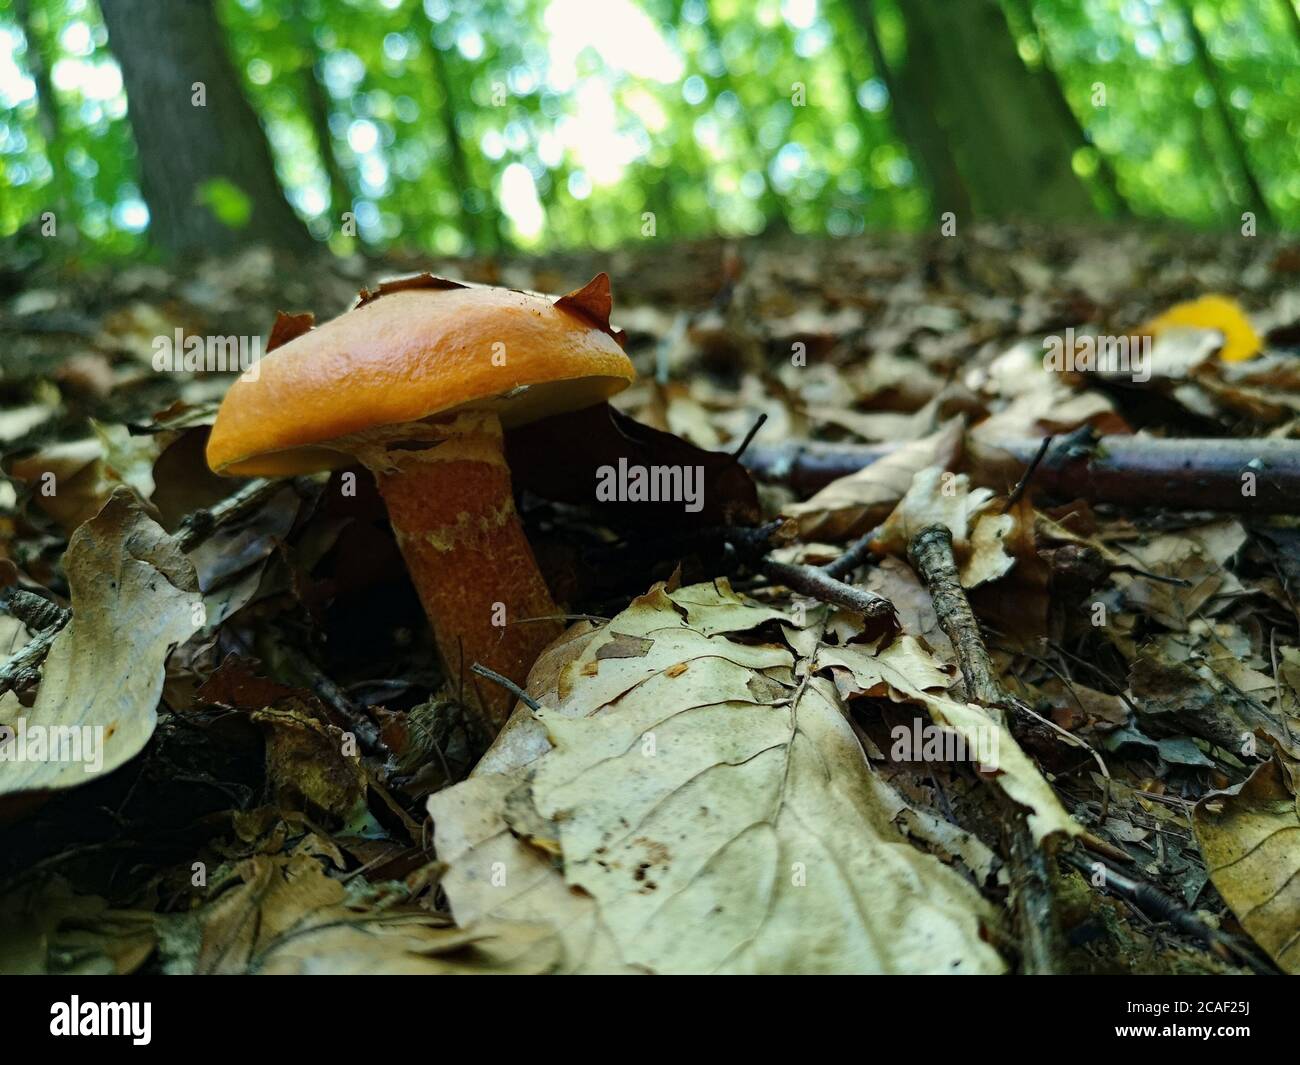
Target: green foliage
[[227, 201], [451, 125]]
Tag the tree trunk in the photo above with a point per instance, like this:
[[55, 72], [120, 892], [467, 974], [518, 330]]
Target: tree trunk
[[164, 49], [484, 228], [1253, 199], [47, 105], [912, 105], [1293, 16], [1051, 80], [1011, 145], [318, 105], [771, 203]]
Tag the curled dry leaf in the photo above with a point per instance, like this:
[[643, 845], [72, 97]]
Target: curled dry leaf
[[311, 765], [1196, 558], [1250, 838], [712, 805], [283, 915], [979, 533], [852, 505], [905, 671], [133, 599], [47, 928]]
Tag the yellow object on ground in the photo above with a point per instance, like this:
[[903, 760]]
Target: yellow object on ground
[[1240, 341]]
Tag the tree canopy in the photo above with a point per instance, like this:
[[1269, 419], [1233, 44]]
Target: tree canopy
[[446, 126]]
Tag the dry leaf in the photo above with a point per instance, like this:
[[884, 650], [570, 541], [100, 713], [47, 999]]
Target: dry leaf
[[905, 672], [1250, 837], [284, 916], [717, 818], [851, 505], [133, 599]]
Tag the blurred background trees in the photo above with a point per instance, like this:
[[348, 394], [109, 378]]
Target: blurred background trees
[[459, 125]]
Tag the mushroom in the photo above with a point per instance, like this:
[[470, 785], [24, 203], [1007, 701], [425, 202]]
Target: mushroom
[[417, 382]]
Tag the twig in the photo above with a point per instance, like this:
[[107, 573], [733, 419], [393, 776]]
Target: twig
[[930, 553], [858, 554], [749, 436], [365, 730], [816, 583], [1137, 471], [197, 527], [1156, 904], [22, 668], [34, 611], [1028, 475], [506, 683]]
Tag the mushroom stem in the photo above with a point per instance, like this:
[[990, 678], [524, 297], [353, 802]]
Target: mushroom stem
[[453, 512]]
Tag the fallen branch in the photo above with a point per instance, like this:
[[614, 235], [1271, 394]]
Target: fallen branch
[[1136, 471], [930, 552], [816, 583]]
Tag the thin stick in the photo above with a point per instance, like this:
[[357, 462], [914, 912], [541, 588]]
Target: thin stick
[[858, 554], [506, 683], [1136, 471], [749, 436], [21, 669], [1028, 475], [34, 611], [200, 525], [930, 553], [1156, 904], [816, 583]]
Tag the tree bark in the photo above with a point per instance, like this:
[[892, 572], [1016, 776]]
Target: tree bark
[[319, 106], [1010, 142], [47, 104], [912, 106], [1254, 199], [1051, 81], [164, 49]]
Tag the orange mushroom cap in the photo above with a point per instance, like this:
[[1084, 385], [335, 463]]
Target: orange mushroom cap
[[416, 349]]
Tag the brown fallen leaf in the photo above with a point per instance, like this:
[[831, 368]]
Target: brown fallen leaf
[[1250, 837], [134, 598], [720, 818], [854, 504], [47, 928], [284, 916]]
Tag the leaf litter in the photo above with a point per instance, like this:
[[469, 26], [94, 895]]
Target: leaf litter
[[714, 779]]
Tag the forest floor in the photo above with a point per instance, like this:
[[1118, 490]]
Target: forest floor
[[1144, 660]]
